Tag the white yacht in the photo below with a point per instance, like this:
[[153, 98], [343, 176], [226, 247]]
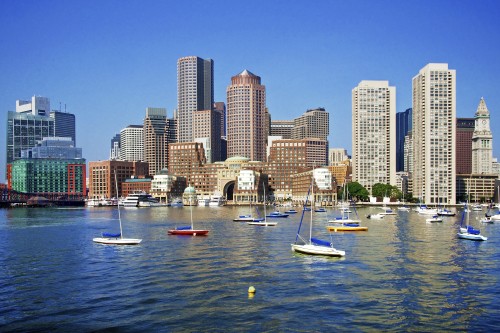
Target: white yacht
[[217, 200], [140, 199]]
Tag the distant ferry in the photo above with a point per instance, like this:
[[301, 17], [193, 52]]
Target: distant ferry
[[141, 199], [217, 200], [101, 202]]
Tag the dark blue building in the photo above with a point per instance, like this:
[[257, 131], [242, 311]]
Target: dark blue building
[[403, 127]]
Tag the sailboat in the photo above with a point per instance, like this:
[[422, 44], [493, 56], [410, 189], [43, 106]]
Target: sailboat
[[345, 222], [263, 222], [468, 232], [312, 245], [116, 238], [188, 230], [248, 217], [405, 207]]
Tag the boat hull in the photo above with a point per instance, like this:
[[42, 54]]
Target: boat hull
[[317, 250], [188, 232], [471, 236], [346, 228], [117, 241], [277, 216], [263, 224], [248, 219]]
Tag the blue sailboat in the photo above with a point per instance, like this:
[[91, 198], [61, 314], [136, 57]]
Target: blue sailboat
[[311, 245]]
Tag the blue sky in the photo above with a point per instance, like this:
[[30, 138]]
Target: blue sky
[[106, 61]]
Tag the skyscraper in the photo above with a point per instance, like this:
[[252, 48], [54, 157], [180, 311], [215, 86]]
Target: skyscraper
[[314, 123], [114, 153], [28, 125], [206, 130], [195, 91], [132, 143], [156, 139], [403, 127], [221, 108], [434, 133], [482, 141], [246, 117], [373, 133], [281, 128], [64, 124], [465, 129]]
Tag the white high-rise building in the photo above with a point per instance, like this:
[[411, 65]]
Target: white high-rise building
[[39, 106], [482, 141], [132, 143], [374, 133], [195, 92], [337, 155], [434, 133]]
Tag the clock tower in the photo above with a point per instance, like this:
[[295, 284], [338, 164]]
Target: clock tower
[[482, 141]]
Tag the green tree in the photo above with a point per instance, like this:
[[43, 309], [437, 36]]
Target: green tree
[[357, 191], [380, 190]]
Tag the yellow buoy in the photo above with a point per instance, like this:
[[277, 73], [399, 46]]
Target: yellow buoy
[[251, 290]]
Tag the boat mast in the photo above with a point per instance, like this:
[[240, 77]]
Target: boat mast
[[191, 210], [312, 206], [119, 216]]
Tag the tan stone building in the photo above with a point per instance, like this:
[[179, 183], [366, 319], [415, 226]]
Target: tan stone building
[[102, 176]]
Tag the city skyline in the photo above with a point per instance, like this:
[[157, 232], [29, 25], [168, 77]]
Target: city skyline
[[107, 62]]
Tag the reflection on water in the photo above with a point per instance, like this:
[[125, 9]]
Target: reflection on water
[[402, 275]]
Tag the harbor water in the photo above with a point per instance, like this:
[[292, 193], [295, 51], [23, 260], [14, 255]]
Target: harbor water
[[402, 275]]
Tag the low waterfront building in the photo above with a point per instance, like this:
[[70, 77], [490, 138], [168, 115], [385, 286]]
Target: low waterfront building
[[475, 187], [165, 186], [49, 177], [102, 176], [134, 185], [249, 187], [325, 192], [341, 172]]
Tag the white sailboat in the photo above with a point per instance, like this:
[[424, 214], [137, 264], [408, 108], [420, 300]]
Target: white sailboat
[[263, 222], [249, 217], [468, 232], [116, 238], [313, 246]]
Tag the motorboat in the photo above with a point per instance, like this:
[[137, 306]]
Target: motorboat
[[377, 216], [495, 217], [486, 219], [388, 211], [445, 212], [435, 218], [277, 214], [320, 210], [290, 211], [424, 210]]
